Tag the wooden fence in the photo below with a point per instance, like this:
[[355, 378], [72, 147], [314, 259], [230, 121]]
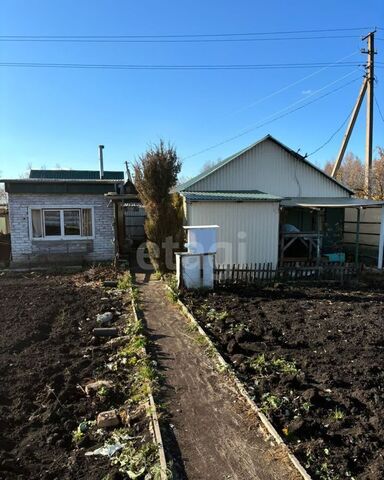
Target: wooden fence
[[264, 273]]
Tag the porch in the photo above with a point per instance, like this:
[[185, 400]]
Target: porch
[[129, 220], [313, 230]]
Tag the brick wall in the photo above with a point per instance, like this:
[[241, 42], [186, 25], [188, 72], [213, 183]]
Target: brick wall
[[26, 251]]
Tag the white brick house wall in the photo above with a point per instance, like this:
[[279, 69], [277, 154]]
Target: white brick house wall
[[26, 251]]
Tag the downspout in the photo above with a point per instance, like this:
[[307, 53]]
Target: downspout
[[357, 238], [381, 240]]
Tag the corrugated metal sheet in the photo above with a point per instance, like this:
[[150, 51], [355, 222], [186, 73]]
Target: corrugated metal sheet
[[32, 181], [370, 219], [231, 196], [57, 187], [270, 168], [364, 239], [366, 215], [248, 233], [76, 174]]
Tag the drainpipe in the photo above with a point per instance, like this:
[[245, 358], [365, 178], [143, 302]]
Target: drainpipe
[[381, 241], [101, 161], [357, 238]]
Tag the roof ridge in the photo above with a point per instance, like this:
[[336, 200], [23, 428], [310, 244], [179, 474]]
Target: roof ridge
[[206, 173]]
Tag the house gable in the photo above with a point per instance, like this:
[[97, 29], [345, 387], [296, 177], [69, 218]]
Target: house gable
[[268, 166]]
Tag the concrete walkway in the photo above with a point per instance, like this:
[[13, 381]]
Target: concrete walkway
[[211, 434]]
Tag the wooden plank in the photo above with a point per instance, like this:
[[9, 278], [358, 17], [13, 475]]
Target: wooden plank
[[264, 273]]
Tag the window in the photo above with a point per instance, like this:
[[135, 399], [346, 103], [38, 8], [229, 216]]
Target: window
[[37, 225], [66, 223], [52, 223], [71, 222]]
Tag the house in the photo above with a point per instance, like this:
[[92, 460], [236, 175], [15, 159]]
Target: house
[[272, 205], [63, 216]]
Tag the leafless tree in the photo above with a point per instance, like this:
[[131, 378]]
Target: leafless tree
[[352, 174]]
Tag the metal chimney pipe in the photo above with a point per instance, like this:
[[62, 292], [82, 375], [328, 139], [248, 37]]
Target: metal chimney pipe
[[101, 147]]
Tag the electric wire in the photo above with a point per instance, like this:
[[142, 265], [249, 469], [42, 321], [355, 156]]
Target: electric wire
[[260, 125], [191, 37], [379, 109], [106, 66], [186, 35], [168, 40], [312, 94], [283, 89], [332, 136]]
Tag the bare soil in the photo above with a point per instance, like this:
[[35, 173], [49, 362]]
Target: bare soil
[[313, 360], [47, 353], [209, 432]]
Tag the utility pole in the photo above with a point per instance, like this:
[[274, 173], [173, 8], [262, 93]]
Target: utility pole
[[367, 87], [369, 128], [348, 132]]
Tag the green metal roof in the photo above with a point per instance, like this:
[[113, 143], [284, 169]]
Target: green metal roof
[[194, 180], [75, 174], [63, 186], [231, 196]]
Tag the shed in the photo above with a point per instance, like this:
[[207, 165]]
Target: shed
[[263, 195]]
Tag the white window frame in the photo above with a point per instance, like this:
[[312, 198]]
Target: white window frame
[[61, 209]]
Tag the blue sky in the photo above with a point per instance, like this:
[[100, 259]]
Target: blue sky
[[52, 117]]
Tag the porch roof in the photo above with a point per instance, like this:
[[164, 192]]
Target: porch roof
[[331, 202]]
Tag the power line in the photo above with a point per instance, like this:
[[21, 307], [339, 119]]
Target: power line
[[271, 66], [195, 35], [379, 109], [122, 39], [331, 137], [260, 125], [283, 89], [312, 94]]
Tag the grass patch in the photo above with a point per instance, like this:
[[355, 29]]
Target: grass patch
[[337, 415], [135, 462], [263, 367], [173, 294], [214, 315], [270, 403], [125, 281]]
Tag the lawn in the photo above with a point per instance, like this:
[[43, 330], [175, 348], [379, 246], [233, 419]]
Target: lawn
[[48, 359], [313, 360]]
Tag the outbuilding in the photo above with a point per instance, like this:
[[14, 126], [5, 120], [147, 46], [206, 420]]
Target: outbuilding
[[62, 216], [272, 206]]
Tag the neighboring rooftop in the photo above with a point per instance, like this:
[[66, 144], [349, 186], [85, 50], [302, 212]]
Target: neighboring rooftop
[[66, 181], [75, 175]]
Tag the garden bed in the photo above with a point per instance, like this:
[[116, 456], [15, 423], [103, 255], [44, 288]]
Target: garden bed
[[48, 356], [312, 358]]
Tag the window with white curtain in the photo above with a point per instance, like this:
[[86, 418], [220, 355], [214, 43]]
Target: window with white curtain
[[61, 223]]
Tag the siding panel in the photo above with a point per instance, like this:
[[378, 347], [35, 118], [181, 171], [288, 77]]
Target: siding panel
[[248, 233], [369, 231], [269, 168]]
